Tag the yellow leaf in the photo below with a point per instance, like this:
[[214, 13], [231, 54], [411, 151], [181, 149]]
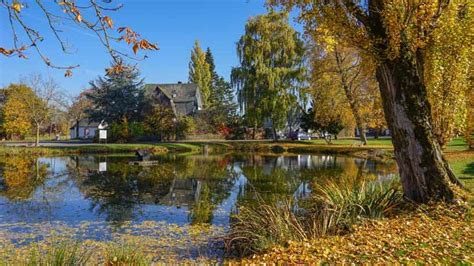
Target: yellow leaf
[[17, 6], [79, 18]]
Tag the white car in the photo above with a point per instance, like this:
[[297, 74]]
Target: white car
[[303, 136]]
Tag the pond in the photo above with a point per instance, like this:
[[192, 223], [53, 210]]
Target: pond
[[179, 206]]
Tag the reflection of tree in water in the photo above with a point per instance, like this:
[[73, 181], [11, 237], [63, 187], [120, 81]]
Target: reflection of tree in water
[[196, 182], [21, 176], [216, 178], [118, 192], [272, 178]]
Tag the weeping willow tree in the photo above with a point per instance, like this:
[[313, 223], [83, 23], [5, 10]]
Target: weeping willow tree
[[271, 70]]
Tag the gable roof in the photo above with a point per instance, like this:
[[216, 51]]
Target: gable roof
[[180, 92], [86, 123]]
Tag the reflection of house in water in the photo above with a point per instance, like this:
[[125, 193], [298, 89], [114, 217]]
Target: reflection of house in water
[[306, 162], [84, 164], [182, 192]]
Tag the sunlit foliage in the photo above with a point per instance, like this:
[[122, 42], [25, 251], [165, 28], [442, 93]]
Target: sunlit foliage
[[16, 120], [200, 72], [268, 80]]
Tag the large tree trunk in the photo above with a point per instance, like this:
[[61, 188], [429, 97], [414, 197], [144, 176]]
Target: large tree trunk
[[425, 174], [77, 128], [361, 129], [37, 134], [356, 113]]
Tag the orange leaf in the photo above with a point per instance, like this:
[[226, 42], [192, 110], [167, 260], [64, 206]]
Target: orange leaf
[[68, 73], [5, 51], [135, 48], [79, 18], [109, 21]]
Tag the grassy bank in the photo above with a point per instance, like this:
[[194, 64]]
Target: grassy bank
[[439, 234], [99, 148], [375, 148]]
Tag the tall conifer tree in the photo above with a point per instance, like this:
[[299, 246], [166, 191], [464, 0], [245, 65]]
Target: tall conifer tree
[[200, 73]]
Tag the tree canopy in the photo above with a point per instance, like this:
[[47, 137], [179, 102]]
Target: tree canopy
[[271, 69], [200, 72], [117, 96]]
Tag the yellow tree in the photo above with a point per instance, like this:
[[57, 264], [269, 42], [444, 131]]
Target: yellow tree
[[330, 104], [200, 72], [16, 121], [447, 72], [373, 112], [397, 34], [469, 129]]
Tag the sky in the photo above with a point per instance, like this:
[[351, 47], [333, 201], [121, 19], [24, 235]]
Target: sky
[[172, 24]]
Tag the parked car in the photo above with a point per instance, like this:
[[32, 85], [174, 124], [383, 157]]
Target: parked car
[[299, 135]]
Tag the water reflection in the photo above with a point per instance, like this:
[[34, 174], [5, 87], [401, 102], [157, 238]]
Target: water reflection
[[179, 189]]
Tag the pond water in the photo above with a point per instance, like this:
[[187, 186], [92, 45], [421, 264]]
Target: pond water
[[102, 198]]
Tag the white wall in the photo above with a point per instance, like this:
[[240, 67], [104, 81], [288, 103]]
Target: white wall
[[84, 133]]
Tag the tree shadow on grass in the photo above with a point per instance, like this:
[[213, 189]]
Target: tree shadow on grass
[[469, 169]]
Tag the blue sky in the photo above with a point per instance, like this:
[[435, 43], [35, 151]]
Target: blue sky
[[173, 24]]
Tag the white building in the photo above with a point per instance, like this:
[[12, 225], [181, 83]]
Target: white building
[[84, 129]]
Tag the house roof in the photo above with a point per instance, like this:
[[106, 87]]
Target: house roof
[[86, 123], [180, 92], [184, 97]]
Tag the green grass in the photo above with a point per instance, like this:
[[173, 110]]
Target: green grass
[[99, 148], [463, 167], [60, 254], [371, 142], [457, 144]]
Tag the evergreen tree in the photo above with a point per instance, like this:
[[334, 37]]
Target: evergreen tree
[[221, 90], [199, 72], [117, 96], [212, 66]]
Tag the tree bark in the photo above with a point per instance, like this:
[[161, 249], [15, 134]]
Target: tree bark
[[425, 174], [274, 131], [37, 134], [77, 128], [361, 129]]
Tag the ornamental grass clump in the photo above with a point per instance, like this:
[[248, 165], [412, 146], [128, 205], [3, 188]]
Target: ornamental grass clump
[[355, 199], [60, 254], [332, 209]]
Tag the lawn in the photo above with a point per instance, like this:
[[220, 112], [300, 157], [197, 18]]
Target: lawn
[[99, 148], [462, 164], [457, 144]]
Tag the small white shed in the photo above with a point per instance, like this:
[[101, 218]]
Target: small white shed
[[84, 129]]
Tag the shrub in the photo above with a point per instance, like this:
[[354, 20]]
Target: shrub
[[120, 131], [184, 127], [137, 129]]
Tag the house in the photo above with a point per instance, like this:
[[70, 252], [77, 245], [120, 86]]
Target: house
[[183, 98], [84, 129]]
